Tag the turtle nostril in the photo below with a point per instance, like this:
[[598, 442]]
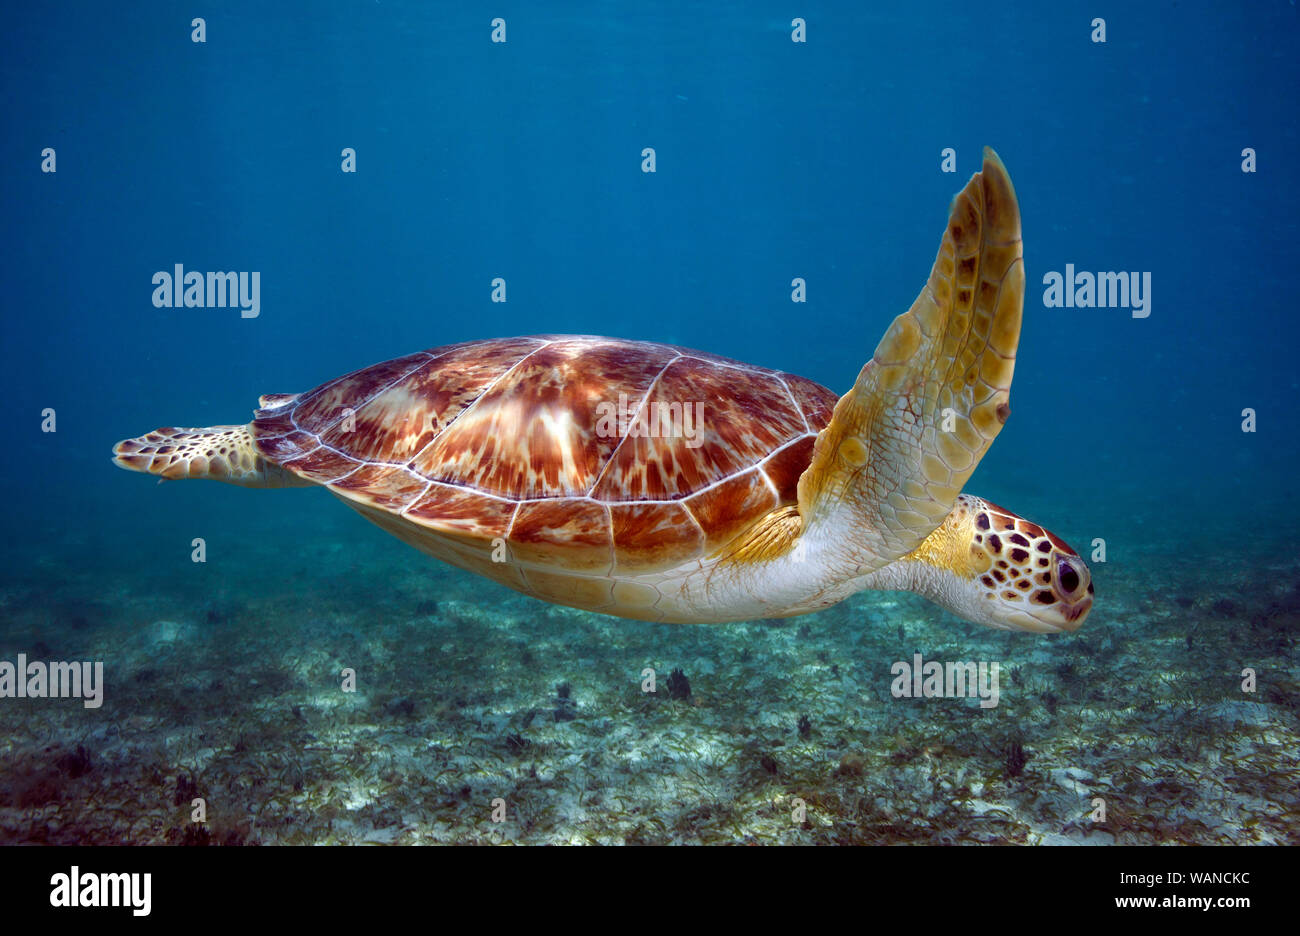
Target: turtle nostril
[[1067, 576]]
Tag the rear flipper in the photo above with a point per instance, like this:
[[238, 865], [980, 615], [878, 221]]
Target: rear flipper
[[221, 453]]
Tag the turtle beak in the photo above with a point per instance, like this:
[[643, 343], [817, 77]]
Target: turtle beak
[[1056, 620], [1072, 586], [1073, 614]]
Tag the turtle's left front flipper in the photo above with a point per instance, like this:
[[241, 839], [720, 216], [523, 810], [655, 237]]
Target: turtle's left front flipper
[[220, 453], [926, 407]]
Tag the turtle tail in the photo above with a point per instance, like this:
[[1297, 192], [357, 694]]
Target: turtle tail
[[221, 453]]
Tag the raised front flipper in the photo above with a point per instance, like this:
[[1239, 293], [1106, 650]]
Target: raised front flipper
[[924, 410]]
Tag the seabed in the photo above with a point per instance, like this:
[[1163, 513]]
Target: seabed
[[228, 688]]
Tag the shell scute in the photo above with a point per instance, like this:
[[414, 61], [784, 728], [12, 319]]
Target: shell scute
[[815, 401], [725, 510], [654, 535], [786, 465], [701, 422], [328, 404], [579, 526], [462, 512], [538, 432], [383, 487]]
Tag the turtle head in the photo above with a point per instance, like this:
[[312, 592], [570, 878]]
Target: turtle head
[[990, 566], [1029, 577]]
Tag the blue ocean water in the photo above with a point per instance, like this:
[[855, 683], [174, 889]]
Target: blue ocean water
[[522, 160]]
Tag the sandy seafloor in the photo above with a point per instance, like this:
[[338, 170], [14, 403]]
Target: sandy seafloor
[[224, 683]]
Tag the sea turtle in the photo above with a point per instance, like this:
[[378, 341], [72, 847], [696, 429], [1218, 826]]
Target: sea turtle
[[650, 481]]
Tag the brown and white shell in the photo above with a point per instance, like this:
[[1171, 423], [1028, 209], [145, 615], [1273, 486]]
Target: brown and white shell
[[504, 440]]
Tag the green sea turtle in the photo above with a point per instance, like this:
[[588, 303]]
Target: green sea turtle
[[655, 482]]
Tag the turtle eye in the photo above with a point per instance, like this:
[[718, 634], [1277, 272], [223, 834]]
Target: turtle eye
[[1067, 576]]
